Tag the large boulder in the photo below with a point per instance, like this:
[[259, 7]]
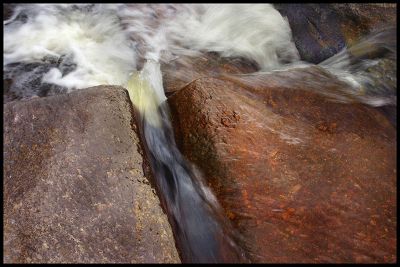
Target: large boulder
[[322, 30], [74, 187], [303, 179]]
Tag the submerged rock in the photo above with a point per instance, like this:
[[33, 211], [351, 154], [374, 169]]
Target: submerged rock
[[185, 69], [322, 30], [74, 187], [301, 178]]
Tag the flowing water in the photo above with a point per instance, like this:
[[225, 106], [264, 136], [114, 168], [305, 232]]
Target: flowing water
[[201, 232], [52, 49]]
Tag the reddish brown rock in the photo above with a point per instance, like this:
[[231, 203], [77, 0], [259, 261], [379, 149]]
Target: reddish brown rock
[[358, 19], [301, 178], [183, 70], [74, 187]]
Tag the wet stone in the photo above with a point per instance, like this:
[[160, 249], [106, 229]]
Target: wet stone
[[322, 30], [302, 179]]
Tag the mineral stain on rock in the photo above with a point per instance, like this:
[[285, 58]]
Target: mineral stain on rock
[[74, 188], [302, 179]]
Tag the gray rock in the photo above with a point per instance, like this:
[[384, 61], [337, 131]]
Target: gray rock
[[74, 187], [322, 30]]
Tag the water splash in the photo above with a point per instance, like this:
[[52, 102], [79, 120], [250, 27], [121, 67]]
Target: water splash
[[369, 68], [105, 43], [77, 46], [100, 52], [363, 73]]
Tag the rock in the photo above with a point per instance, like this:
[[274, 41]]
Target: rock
[[74, 187], [183, 70], [322, 30], [22, 81], [7, 10], [302, 179]]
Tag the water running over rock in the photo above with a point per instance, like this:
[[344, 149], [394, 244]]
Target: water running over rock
[[50, 49]]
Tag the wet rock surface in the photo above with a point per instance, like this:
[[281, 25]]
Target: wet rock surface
[[74, 188], [302, 179], [7, 10], [183, 70], [322, 30]]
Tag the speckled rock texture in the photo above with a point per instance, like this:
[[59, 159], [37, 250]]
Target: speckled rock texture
[[302, 179], [322, 30], [74, 187]]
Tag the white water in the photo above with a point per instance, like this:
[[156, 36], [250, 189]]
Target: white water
[[90, 45], [101, 51], [98, 44], [107, 42]]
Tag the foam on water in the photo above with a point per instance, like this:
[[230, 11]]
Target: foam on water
[[77, 46], [256, 32], [95, 42], [108, 42]]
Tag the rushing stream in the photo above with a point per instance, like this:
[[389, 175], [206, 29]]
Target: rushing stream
[[52, 49], [202, 233]]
